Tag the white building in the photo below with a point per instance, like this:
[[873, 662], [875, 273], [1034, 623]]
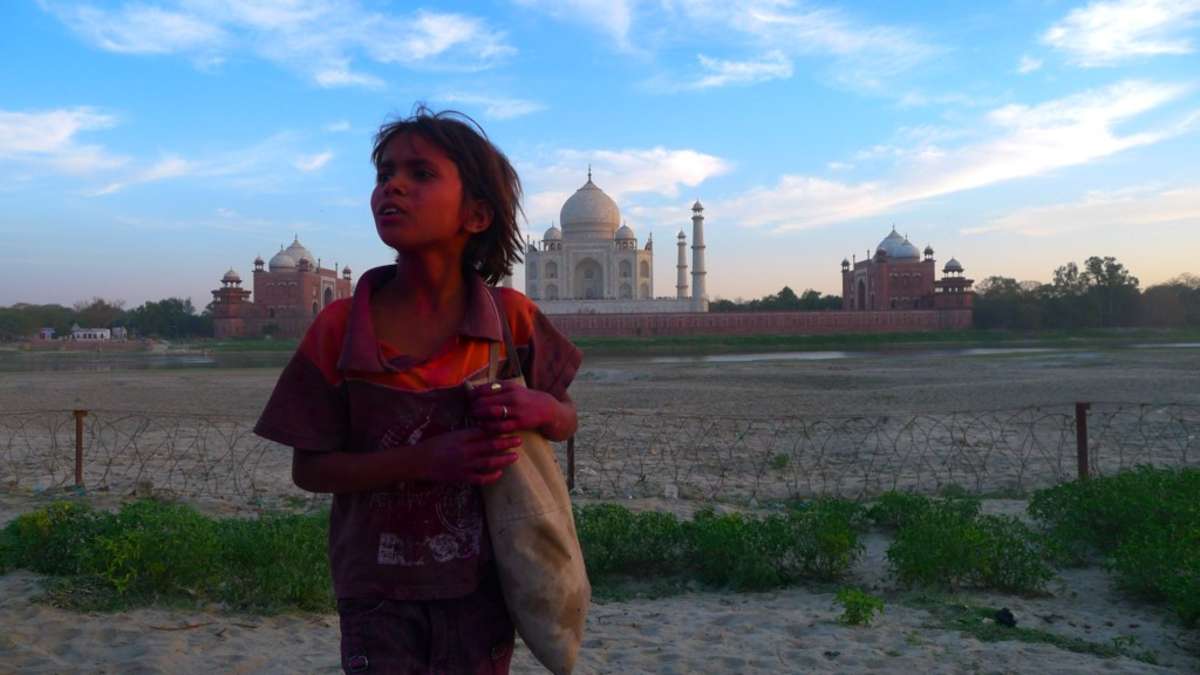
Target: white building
[[90, 334], [593, 265]]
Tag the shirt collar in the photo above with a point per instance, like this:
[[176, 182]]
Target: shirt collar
[[361, 349]]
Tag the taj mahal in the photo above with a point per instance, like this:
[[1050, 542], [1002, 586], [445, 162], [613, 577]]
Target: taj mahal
[[594, 265]]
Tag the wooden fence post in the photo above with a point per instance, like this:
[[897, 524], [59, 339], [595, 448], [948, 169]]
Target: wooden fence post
[[79, 415], [571, 463], [1081, 438]]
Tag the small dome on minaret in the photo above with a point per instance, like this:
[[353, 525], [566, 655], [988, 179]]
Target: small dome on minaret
[[952, 265], [697, 207], [231, 277], [845, 264]]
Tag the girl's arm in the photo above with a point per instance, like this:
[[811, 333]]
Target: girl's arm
[[466, 455], [510, 408]]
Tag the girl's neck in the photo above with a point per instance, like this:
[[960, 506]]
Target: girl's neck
[[431, 283]]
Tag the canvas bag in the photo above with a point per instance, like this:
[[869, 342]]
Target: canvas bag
[[532, 529]]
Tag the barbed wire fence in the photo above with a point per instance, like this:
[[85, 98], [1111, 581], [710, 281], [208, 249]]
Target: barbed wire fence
[[619, 454]]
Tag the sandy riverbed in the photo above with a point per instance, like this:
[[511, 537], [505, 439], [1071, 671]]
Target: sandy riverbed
[[788, 631]]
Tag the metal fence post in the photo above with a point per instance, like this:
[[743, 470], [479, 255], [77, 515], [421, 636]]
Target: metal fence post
[[79, 415], [571, 463], [1081, 438]]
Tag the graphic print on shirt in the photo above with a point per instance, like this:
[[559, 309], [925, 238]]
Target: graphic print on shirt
[[434, 522]]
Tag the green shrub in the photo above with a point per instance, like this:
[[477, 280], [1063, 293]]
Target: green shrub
[[154, 551], [943, 546], [1146, 522], [859, 608], [732, 550], [616, 540], [51, 540], [896, 509]]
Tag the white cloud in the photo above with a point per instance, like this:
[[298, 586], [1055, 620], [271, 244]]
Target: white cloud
[[321, 39], [1130, 208], [496, 107], [1028, 65], [839, 166], [139, 29], [1104, 33], [168, 167], [626, 175], [337, 126], [1016, 141], [720, 73], [49, 138], [612, 17], [313, 162]]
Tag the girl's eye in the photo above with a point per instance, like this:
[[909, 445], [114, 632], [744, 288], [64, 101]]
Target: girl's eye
[[381, 177], [423, 174]]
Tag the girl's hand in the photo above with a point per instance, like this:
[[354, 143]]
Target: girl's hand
[[464, 455], [504, 408]]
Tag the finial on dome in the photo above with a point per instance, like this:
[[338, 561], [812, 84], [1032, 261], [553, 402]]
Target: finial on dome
[[589, 172]]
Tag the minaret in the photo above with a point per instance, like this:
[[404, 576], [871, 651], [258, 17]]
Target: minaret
[[699, 289], [681, 289]]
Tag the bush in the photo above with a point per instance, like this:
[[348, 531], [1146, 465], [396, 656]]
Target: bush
[[153, 551], [1146, 522], [733, 550], [860, 608], [942, 545], [897, 509]]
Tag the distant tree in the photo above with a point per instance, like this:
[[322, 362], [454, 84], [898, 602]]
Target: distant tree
[[785, 300], [99, 313], [169, 318], [1113, 289]]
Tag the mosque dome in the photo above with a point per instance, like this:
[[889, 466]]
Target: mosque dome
[[231, 277], [552, 234], [898, 247], [952, 265], [282, 261], [590, 214], [928, 250], [297, 252], [258, 261], [625, 232]]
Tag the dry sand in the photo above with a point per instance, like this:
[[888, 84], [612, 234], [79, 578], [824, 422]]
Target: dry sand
[[788, 631]]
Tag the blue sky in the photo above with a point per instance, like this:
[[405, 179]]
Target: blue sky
[[146, 147]]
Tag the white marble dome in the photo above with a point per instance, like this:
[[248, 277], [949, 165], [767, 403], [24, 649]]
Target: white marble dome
[[590, 214], [282, 261], [898, 247], [624, 233], [552, 234], [952, 265], [297, 252]]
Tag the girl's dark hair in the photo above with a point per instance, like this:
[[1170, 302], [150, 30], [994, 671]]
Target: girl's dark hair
[[486, 174]]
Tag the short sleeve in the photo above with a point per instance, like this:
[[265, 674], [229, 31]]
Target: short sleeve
[[550, 361], [308, 408]]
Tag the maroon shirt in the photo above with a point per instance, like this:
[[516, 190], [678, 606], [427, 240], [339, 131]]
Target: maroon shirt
[[346, 391]]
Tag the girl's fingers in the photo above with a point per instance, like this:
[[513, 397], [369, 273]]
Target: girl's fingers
[[495, 463]]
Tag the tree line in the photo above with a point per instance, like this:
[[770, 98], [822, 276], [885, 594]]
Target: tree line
[[169, 318], [784, 301], [1099, 294]]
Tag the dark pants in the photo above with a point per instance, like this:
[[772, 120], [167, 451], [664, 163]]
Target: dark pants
[[472, 634]]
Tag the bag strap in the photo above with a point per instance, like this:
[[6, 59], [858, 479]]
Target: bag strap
[[512, 362]]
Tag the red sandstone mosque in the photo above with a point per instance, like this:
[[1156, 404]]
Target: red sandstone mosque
[[897, 278], [288, 295]]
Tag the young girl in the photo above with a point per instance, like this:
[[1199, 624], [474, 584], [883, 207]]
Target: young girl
[[376, 407]]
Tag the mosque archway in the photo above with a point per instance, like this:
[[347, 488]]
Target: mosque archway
[[551, 270], [644, 292], [626, 292], [328, 296], [589, 280], [626, 269], [645, 269], [862, 295], [551, 292]]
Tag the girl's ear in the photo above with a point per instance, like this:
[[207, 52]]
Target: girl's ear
[[477, 216]]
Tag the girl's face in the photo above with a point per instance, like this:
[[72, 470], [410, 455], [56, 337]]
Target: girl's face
[[418, 197]]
